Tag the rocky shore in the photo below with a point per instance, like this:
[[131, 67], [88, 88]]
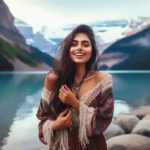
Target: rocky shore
[[130, 131]]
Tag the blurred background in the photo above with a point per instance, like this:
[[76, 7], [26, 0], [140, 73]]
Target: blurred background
[[29, 34]]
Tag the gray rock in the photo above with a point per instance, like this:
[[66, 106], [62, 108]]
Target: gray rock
[[147, 117], [129, 142], [113, 130], [142, 128], [141, 112], [127, 122]]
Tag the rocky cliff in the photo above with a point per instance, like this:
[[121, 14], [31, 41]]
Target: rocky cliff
[[15, 54], [7, 28]]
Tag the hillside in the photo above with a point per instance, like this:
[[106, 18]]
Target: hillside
[[15, 54], [129, 53], [10, 55]]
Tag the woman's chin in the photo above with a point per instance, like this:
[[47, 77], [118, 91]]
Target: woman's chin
[[80, 62]]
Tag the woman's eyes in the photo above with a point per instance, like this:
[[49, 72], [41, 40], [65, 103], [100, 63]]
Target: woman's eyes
[[76, 44], [86, 45], [73, 44]]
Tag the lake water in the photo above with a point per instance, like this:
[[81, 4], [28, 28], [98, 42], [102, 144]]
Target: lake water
[[20, 97]]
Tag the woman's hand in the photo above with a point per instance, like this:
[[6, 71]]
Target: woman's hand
[[66, 96], [64, 120]]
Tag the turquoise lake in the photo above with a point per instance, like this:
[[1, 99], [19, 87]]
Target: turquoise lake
[[20, 97]]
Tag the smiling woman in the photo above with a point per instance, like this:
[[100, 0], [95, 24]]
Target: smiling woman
[[81, 48], [77, 101]]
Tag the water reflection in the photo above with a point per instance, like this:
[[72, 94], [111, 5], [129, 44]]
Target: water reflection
[[132, 88], [23, 133], [15, 92]]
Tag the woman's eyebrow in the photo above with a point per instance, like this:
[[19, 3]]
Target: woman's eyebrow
[[81, 41]]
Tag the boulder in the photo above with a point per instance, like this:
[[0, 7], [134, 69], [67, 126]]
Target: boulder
[[113, 130], [142, 128], [127, 122], [147, 117], [141, 111], [128, 142]]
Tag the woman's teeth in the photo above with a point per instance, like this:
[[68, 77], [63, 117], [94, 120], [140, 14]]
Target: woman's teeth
[[79, 54]]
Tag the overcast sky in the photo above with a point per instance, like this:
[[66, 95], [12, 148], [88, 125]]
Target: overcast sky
[[58, 12]]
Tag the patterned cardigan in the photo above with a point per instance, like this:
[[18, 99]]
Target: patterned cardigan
[[94, 116]]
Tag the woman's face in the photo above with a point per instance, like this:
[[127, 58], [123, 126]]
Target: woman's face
[[81, 48]]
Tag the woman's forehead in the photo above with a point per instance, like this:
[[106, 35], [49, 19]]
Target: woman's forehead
[[81, 37]]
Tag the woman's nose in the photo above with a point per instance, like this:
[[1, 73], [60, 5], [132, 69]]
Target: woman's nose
[[79, 47]]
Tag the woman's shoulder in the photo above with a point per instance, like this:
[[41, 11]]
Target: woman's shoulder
[[101, 75], [52, 76], [105, 79], [51, 80]]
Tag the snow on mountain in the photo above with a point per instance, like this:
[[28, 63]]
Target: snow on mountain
[[111, 34], [35, 39], [55, 33], [25, 29], [136, 25], [106, 31]]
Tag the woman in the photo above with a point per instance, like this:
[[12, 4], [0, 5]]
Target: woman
[[77, 101]]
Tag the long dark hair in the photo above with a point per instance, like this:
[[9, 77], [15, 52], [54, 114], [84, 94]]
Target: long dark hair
[[65, 67]]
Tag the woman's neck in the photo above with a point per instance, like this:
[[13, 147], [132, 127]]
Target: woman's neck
[[80, 72]]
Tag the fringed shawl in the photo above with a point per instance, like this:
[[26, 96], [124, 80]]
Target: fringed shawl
[[86, 119]]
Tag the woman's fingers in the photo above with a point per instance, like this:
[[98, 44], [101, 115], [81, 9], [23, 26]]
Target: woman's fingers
[[69, 120], [62, 92], [62, 89], [64, 112], [61, 95], [68, 114], [65, 86], [67, 117]]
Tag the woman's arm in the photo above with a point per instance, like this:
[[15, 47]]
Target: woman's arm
[[49, 120], [95, 120], [44, 113], [103, 114], [46, 118]]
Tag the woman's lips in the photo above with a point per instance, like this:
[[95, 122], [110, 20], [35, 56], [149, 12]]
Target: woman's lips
[[79, 55]]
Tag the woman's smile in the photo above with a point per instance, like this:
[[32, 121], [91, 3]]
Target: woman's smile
[[79, 55], [81, 48]]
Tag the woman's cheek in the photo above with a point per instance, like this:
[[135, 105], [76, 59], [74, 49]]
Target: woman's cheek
[[71, 51], [88, 51]]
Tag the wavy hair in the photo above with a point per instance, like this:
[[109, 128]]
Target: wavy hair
[[65, 67]]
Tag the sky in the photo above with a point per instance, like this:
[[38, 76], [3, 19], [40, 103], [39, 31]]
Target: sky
[[55, 13]]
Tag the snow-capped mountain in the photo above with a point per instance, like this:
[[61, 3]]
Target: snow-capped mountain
[[136, 25], [35, 39], [25, 29], [106, 31], [99, 27]]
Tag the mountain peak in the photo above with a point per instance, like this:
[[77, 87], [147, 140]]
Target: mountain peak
[[7, 28], [6, 18]]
